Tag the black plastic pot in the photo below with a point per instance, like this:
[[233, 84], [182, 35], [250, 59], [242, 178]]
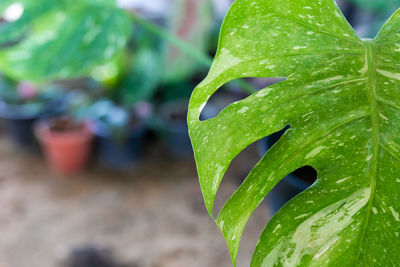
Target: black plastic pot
[[174, 129], [178, 141], [291, 185], [118, 153], [19, 121], [21, 131]]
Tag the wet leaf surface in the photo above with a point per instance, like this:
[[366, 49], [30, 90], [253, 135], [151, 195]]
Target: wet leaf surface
[[341, 100]]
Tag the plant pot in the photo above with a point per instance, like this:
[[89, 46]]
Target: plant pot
[[18, 124], [178, 141], [19, 121], [118, 153], [21, 131], [291, 185], [66, 144], [175, 130], [173, 116]]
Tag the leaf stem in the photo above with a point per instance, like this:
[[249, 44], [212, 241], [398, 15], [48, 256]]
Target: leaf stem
[[185, 47]]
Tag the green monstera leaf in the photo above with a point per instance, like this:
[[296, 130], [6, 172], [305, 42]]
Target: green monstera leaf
[[341, 99], [62, 39]]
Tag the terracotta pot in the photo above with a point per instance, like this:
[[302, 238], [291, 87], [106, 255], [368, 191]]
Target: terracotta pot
[[67, 151]]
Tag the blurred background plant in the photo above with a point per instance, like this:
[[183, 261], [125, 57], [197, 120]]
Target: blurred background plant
[[368, 16], [124, 65]]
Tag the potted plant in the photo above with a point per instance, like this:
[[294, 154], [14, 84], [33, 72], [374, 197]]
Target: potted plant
[[120, 134], [173, 128], [67, 139], [170, 122], [118, 117], [99, 47], [66, 143], [22, 104], [340, 101]]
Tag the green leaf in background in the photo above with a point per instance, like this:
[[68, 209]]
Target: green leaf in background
[[67, 41], [142, 81], [14, 30], [143, 70], [190, 20], [380, 6], [341, 100]]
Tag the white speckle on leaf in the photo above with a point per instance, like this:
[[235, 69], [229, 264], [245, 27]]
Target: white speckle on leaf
[[335, 78], [270, 67], [202, 106], [299, 47], [374, 210], [218, 173], [243, 110], [315, 152], [277, 227], [364, 69], [395, 214], [389, 74], [342, 180], [325, 249], [307, 114], [302, 216], [383, 117], [264, 92]]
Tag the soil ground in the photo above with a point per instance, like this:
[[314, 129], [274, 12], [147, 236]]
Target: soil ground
[[152, 216]]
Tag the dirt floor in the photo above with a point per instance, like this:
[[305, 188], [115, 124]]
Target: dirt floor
[[152, 216]]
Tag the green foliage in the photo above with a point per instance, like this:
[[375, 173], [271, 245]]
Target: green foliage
[[143, 79], [380, 6], [144, 71], [341, 99], [191, 21], [62, 39], [13, 31]]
